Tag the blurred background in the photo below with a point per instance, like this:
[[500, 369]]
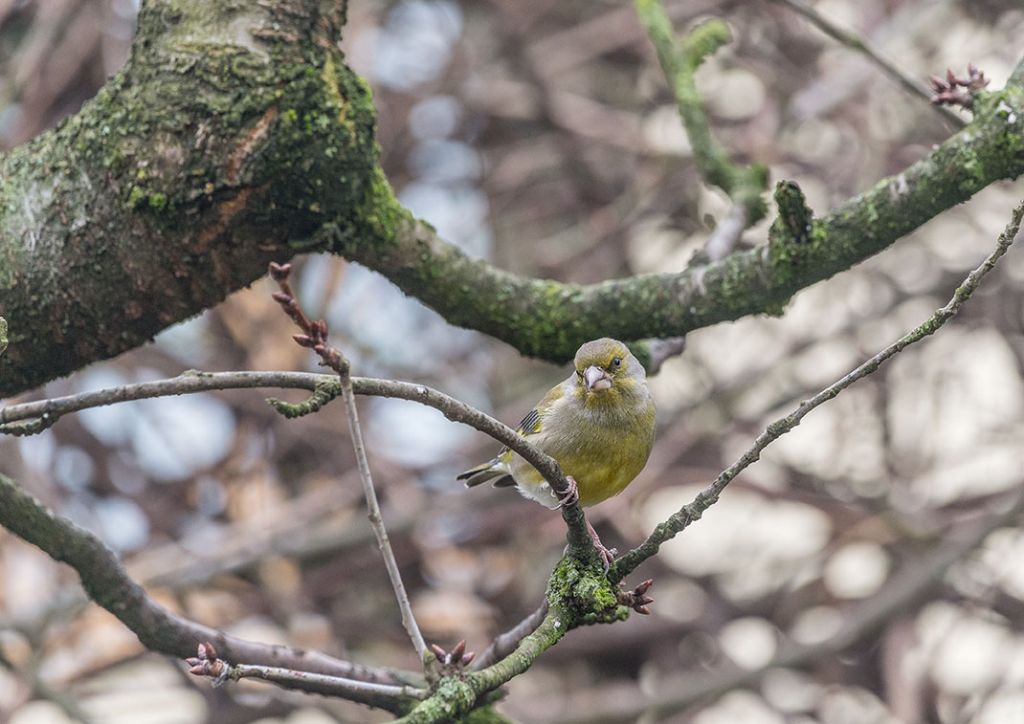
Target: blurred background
[[542, 136]]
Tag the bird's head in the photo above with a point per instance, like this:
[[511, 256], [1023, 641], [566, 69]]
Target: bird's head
[[606, 366]]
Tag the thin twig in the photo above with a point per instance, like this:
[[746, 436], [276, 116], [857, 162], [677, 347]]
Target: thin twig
[[314, 337], [106, 582], [208, 663], [727, 233], [193, 381], [377, 522], [910, 585], [861, 45], [507, 642], [706, 498]]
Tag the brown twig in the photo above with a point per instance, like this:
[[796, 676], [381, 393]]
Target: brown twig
[[106, 582], [691, 512], [855, 42], [315, 337], [207, 663], [194, 381]]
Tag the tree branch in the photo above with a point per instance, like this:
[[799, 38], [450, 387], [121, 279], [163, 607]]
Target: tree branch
[[106, 582], [691, 512], [910, 585], [860, 45], [207, 663], [47, 412], [679, 61], [180, 177], [314, 336]]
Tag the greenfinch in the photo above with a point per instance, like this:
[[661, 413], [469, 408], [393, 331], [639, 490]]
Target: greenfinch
[[598, 424]]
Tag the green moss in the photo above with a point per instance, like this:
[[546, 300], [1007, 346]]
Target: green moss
[[323, 393], [584, 592], [141, 199], [704, 40], [451, 699], [380, 211]]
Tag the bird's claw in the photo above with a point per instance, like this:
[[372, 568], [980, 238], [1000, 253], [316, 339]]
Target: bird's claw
[[637, 599], [607, 555], [571, 495]]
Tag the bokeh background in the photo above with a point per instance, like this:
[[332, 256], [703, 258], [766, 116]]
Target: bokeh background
[[542, 136]]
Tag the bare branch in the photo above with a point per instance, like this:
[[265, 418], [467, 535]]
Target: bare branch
[[857, 43], [507, 642], [194, 381], [107, 583], [207, 663], [315, 337], [377, 522], [677, 522], [910, 585], [727, 233]]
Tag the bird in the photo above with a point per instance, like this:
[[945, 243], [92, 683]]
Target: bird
[[598, 424]]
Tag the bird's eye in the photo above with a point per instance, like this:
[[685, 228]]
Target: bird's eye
[[579, 374], [616, 362]]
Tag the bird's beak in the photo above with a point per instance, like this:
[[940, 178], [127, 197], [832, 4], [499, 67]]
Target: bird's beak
[[597, 379]]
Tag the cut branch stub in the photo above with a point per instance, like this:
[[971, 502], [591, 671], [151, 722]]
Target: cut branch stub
[[794, 221]]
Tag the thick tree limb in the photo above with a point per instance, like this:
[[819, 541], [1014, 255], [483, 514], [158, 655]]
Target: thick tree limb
[[236, 135]]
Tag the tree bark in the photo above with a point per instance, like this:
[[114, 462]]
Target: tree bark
[[236, 135]]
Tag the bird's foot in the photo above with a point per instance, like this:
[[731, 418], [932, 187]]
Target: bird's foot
[[637, 599], [571, 495], [607, 555]]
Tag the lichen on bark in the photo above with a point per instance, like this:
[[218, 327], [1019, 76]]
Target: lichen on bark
[[233, 134]]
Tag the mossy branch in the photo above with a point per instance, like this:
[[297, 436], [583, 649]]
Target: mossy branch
[[549, 319], [323, 393], [179, 225], [108, 584], [692, 511], [679, 61]]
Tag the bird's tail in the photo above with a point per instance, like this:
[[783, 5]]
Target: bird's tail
[[489, 471]]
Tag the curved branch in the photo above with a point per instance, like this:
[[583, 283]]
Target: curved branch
[[43, 413], [691, 512], [548, 319], [106, 582], [908, 587], [851, 40], [179, 182]]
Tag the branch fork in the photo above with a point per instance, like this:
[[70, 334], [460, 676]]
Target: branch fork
[[314, 336]]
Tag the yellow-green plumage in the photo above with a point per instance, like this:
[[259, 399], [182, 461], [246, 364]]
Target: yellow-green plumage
[[598, 424]]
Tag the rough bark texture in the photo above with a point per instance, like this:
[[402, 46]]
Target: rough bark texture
[[233, 133], [236, 134]]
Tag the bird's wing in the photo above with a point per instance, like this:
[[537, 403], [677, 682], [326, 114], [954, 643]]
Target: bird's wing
[[495, 470]]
